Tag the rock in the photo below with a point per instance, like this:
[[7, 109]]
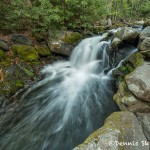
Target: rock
[[64, 42], [144, 47], [43, 51], [127, 66], [139, 82], [127, 34], [145, 122], [127, 101], [4, 45], [120, 131], [21, 39], [116, 43], [25, 53], [146, 23], [145, 33], [15, 76], [139, 22]]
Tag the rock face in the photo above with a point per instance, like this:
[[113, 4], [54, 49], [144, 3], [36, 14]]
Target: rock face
[[144, 119], [120, 131], [64, 42], [139, 82], [128, 35], [128, 102], [20, 39], [145, 33]]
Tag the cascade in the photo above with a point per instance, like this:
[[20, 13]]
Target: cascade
[[72, 99]]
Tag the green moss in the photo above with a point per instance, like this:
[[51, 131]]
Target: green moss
[[72, 38], [43, 51], [2, 55], [19, 83], [26, 71], [25, 52], [136, 59]]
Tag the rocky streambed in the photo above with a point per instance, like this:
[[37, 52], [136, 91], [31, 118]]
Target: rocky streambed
[[20, 62], [129, 128]]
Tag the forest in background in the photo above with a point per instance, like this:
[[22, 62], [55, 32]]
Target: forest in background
[[42, 15]]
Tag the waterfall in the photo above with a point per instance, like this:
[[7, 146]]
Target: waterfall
[[72, 99]]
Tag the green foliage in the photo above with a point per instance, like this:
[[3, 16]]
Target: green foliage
[[42, 15]]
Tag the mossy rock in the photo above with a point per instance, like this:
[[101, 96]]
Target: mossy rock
[[72, 38], [26, 53], [43, 51], [127, 67]]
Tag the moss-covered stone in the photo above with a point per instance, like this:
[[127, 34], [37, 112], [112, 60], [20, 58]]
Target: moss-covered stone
[[121, 127], [43, 51], [127, 67], [72, 38], [2, 54], [25, 52]]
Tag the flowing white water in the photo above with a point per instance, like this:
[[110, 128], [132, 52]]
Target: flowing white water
[[70, 102]]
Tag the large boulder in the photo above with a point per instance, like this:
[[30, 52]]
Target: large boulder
[[4, 45], [63, 42], [120, 131], [139, 82], [145, 33], [116, 43], [127, 34], [20, 39], [127, 101]]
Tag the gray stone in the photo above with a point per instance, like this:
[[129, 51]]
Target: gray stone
[[116, 43], [128, 35], [120, 131], [145, 122], [145, 33], [139, 82], [4, 45], [145, 45], [20, 39], [63, 42]]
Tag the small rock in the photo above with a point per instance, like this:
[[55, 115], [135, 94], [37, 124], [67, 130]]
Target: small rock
[[21, 39], [145, 45], [116, 43], [4, 45]]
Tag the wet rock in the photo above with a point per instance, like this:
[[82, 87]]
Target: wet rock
[[116, 43], [139, 82], [145, 33], [120, 131], [64, 42], [21, 39], [127, 67], [146, 23], [4, 45], [128, 35], [144, 119]]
